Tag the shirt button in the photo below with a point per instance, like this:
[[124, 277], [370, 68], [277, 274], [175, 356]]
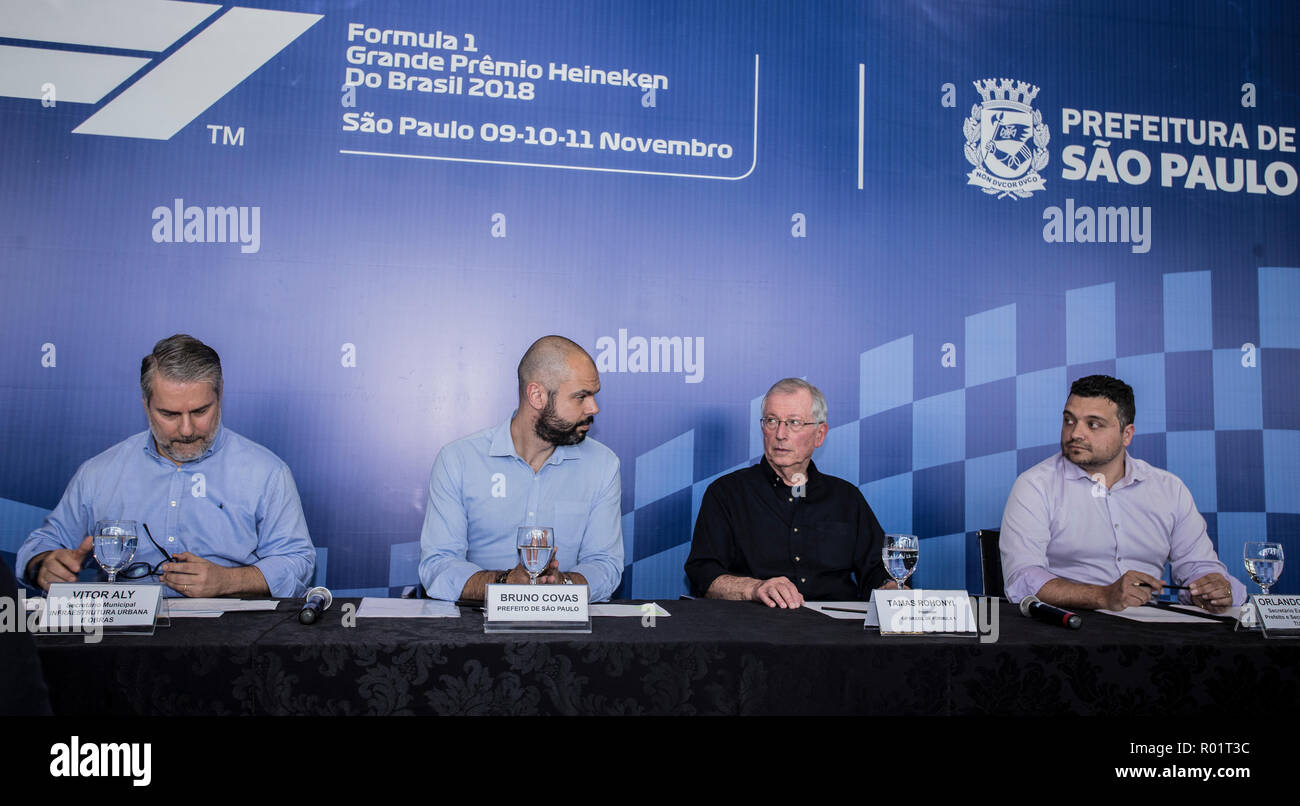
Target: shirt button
[[173, 503], [530, 514], [171, 539], [796, 559], [790, 500], [801, 579], [796, 528]]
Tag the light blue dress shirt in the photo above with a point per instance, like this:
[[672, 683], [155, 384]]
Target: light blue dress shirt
[[234, 505], [481, 492], [1060, 523]]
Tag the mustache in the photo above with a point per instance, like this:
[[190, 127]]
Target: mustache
[[588, 421]]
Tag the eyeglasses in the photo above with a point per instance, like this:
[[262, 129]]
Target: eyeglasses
[[141, 570], [795, 425]]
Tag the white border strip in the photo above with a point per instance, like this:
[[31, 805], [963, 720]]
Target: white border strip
[[862, 113]]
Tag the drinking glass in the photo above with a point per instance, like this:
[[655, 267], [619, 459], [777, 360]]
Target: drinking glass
[[1263, 563], [900, 555], [536, 545], [114, 546]]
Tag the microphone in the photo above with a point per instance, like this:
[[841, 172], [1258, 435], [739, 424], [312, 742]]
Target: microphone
[[1031, 607], [318, 601]]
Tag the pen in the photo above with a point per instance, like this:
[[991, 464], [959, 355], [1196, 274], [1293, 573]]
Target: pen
[[1166, 587], [844, 610]]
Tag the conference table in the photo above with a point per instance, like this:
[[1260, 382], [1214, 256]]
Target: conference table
[[706, 657]]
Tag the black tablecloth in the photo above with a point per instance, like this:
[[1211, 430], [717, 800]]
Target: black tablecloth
[[708, 657]]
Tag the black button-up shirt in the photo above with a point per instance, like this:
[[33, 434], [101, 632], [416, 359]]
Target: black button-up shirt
[[751, 524]]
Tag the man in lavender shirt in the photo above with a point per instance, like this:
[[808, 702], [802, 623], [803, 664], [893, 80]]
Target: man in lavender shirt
[[1092, 527]]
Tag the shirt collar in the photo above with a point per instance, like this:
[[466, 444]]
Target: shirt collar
[[772, 478], [504, 445]]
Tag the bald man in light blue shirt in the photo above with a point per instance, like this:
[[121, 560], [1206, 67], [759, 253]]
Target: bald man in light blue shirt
[[539, 468]]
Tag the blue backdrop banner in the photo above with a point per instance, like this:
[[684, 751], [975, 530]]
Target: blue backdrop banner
[[940, 213]]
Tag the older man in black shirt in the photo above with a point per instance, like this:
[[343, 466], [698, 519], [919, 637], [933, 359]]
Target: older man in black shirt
[[781, 532]]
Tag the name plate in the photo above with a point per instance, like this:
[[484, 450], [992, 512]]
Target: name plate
[[83, 606], [536, 603], [1279, 614], [921, 612]]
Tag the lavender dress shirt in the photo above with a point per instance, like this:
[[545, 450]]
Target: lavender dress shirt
[[1060, 523]]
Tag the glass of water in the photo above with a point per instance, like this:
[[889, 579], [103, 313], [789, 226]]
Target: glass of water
[[536, 545], [1263, 563], [900, 555], [114, 546]]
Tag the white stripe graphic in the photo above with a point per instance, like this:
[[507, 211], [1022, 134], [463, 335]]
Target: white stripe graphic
[[862, 112], [198, 74], [78, 78], [129, 24]]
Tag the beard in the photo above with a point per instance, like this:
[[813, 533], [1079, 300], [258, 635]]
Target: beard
[[186, 450], [1092, 460], [550, 428]]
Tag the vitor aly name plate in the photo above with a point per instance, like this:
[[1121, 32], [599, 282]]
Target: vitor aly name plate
[[537, 608], [112, 606]]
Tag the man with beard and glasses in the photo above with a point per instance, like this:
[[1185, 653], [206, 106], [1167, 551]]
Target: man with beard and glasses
[[1092, 527], [223, 512], [536, 469]]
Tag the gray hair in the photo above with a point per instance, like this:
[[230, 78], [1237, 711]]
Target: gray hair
[[547, 363], [181, 358], [788, 386]]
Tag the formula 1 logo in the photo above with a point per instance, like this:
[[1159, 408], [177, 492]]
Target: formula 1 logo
[[1006, 139], [169, 92]]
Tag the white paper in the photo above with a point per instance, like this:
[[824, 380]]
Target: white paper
[[192, 614], [178, 607], [825, 608], [626, 610], [373, 607], [1158, 615]]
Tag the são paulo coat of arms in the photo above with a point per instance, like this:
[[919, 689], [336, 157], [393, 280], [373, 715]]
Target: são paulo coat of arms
[[1006, 139]]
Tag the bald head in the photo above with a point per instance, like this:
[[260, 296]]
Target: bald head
[[548, 362]]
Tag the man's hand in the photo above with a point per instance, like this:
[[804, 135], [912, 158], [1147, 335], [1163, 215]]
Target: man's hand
[[194, 576], [776, 592], [519, 575], [61, 565], [1131, 590], [1212, 592]]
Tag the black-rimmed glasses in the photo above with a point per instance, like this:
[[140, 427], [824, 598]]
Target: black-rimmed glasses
[[142, 570]]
